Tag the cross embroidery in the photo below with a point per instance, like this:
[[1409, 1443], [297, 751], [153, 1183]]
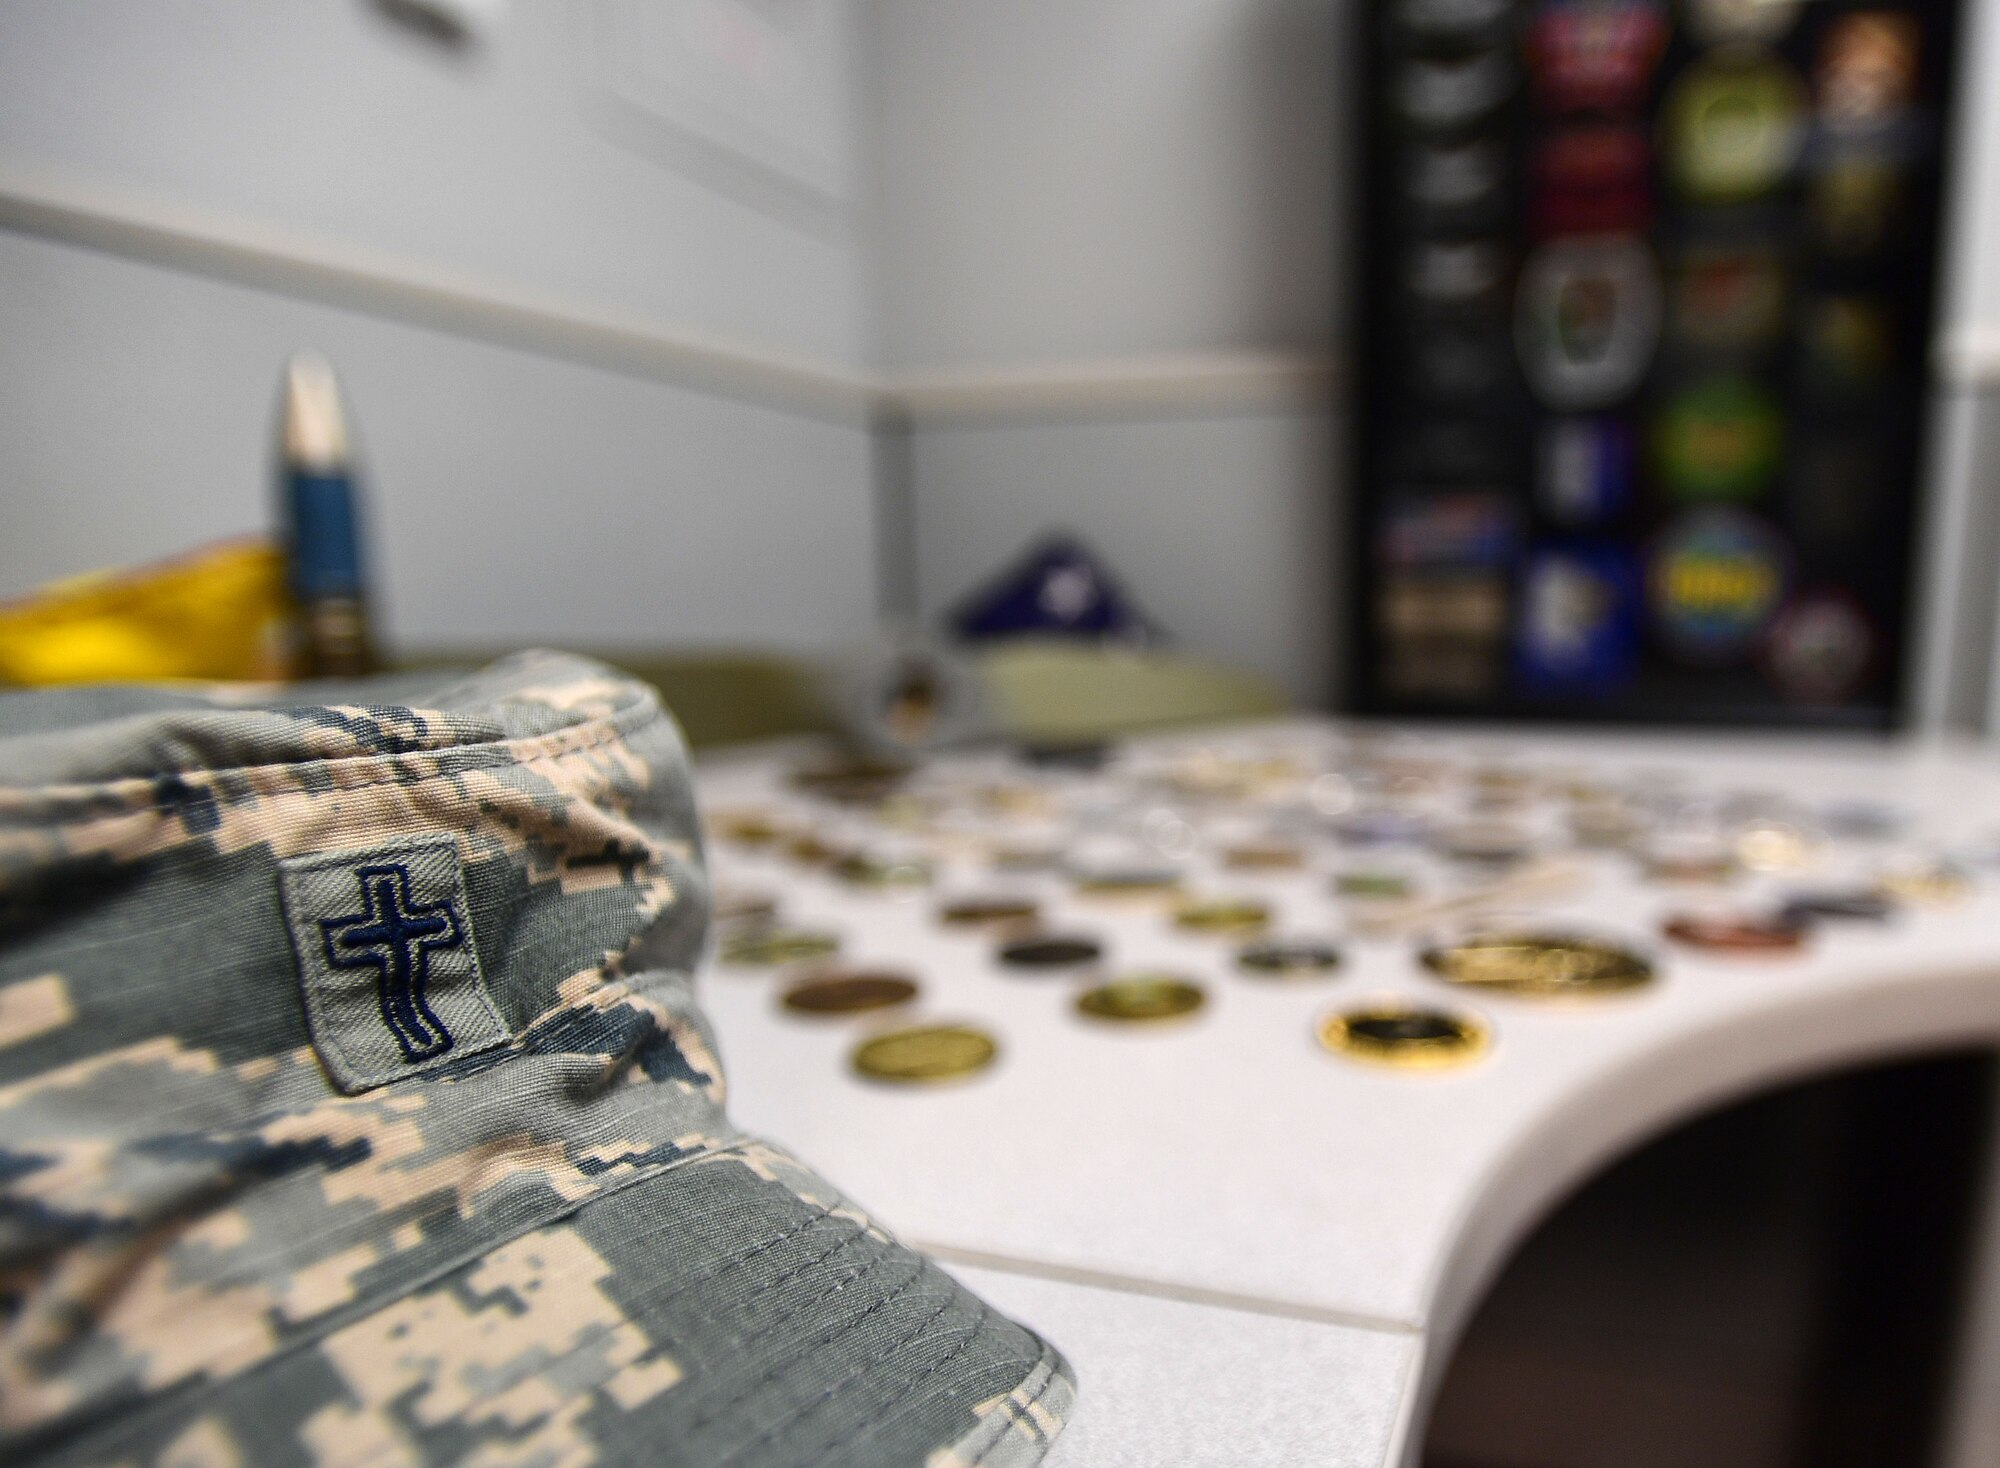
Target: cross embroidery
[[396, 937]]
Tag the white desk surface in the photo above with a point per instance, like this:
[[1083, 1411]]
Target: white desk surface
[[1227, 1169]]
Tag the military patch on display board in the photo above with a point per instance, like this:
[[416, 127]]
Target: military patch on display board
[[1718, 438], [1821, 647], [1723, 22], [1441, 94], [1584, 469], [1733, 125], [1579, 617], [1715, 579], [1865, 73], [1593, 178], [1587, 318], [1595, 55], [1728, 298]]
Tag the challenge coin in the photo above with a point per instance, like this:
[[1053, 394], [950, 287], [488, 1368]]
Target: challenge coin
[[1264, 856], [849, 992], [1925, 883], [1405, 1036], [734, 905], [1859, 906], [974, 912], [1129, 882], [924, 1054], [1539, 964], [1223, 915], [1486, 843], [1743, 933], [770, 947], [1295, 959], [1141, 997], [1372, 885], [1047, 951], [752, 828], [883, 872]]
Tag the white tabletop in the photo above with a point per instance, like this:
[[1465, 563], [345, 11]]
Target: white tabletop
[[1230, 1167]]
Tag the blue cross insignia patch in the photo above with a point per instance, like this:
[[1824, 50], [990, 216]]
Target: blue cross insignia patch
[[387, 960]]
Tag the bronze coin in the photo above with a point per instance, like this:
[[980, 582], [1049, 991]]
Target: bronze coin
[[1264, 856], [1747, 933], [1051, 952], [1132, 882], [974, 912], [849, 991]]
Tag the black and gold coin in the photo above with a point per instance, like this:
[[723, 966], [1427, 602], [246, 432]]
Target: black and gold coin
[[1297, 959], [1405, 1036], [850, 991], [1223, 915], [1542, 965], [1051, 951], [925, 1054], [1139, 998], [979, 912], [1746, 933], [769, 947]]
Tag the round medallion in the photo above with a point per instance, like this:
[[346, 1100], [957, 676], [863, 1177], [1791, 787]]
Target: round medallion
[[1537, 964], [925, 1054], [1140, 998], [849, 992], [1405, 1036]]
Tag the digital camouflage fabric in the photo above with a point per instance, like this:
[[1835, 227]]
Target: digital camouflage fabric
[[355, 1109]]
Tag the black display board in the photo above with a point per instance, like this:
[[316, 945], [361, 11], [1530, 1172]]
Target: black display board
[[1645, 307]]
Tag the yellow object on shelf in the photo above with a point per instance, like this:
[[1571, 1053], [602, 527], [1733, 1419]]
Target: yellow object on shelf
[[219, 612]]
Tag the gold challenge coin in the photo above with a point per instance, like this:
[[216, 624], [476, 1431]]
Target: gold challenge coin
[[1141, 998], [1223, 915], [925, 1054], [1526, 963], [770, 947]]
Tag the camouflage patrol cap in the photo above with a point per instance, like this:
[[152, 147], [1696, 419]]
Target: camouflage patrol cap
[[355, 1108]]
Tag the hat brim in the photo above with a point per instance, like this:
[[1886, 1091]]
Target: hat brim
[[732, 1310]]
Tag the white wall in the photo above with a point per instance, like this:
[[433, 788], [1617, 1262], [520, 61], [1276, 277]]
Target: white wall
[[1140, 195], [514, 497], [530, 480], [1077, 179]]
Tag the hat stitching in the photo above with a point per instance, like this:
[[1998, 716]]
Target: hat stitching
[[785, 1363], [978, 1324], [137, 791]]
